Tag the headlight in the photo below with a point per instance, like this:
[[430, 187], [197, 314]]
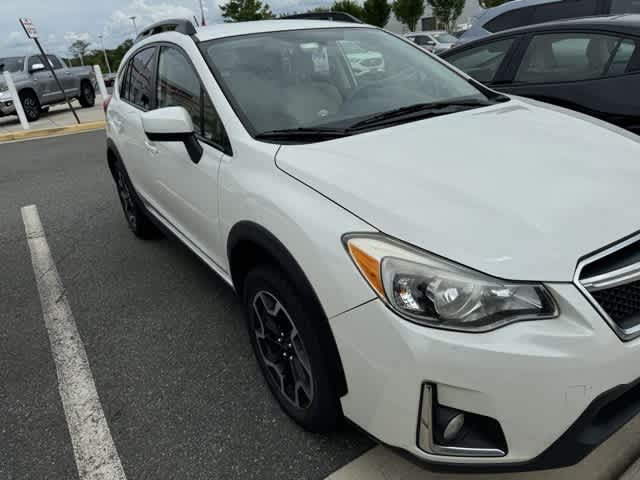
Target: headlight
[[429, 290]]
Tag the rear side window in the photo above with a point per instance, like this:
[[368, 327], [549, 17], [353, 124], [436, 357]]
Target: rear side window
[[180, 86], [482, 63], [138, 88], [511, 19], [54, 62], [624, 54], [565, 9], [566, 57], [625, 6]]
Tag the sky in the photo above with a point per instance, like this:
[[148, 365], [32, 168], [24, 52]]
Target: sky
[[60, 22]]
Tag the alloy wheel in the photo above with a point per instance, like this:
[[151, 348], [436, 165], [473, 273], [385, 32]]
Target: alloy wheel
[[127, 200], [282, 350], [30, 107]]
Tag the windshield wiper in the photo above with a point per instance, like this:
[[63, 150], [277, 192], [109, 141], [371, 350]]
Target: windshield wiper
[[425, 109], [303, 133]]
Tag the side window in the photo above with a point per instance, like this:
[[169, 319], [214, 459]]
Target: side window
[[625, 6], [565, 9], [35, 59], [511, 19], [482, 63], [141, 66], [180, 86], [125, 81], [566, 57], [622, 57], [423, 40], [55, 62]]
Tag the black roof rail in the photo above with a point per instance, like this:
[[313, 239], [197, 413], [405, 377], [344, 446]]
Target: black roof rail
[[333, 16], [180, 25]]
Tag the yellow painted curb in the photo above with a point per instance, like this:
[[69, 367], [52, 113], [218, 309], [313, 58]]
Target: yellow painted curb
[[46, 132]]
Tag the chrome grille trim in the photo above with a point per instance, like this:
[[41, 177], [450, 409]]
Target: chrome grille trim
[[611, 279]]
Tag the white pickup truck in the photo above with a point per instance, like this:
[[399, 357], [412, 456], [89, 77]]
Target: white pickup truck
[[38, 89]]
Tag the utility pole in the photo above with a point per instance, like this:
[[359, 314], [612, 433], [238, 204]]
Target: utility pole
[[135, 27], [204, 21], [104, 50]]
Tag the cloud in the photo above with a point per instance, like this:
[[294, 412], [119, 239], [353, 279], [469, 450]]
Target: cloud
[[146, 13], [71, 37]]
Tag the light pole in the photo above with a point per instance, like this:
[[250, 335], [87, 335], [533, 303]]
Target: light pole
[[104, 50], [204, 22], [135, 27]]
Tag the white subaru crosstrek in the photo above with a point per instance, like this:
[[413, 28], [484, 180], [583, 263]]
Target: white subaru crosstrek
[[454, 270]]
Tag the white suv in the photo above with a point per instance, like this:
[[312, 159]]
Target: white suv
[[454, 270]]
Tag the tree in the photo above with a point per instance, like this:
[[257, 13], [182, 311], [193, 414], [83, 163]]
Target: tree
[[447, 12], [350, 7], [377, 12], [408, 12], [491, 3], [78, 49], [245, 10]]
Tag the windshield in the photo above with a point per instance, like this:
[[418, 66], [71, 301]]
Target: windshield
[[12, 64], [314, 78], [444, 37]]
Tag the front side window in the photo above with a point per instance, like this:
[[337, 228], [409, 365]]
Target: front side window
[[445, 37], [566, 57], [141, 67], [423, 40], [305, 78], [180, 86], [625, 6], [482, 63], [34, 60]]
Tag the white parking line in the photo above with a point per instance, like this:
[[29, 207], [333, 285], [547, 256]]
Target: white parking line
[[95, 454]]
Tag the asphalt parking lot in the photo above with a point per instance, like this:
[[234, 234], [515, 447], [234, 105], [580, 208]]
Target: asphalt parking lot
[[167, 346], [165, 339]]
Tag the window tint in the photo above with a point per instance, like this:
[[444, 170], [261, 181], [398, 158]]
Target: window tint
[[625, 6], [35, 59], [483, 62], [622, 57], [566, 57], [423, 40], [125, 81], [565, 9], [54, 61], [140, 89], [511, 19], [180, 86]]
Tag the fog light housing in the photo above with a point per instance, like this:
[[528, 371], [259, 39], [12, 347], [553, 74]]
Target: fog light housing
[[447, 431]]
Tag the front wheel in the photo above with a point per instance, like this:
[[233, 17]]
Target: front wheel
[[137, 219], [30, 105], [286, 344]]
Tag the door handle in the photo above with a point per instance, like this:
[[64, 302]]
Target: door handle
[[67, 73], [150, 148]]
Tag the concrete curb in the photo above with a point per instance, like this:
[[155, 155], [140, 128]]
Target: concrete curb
[[46, 132]]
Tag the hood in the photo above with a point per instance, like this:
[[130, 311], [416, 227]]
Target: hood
[[519, 190]]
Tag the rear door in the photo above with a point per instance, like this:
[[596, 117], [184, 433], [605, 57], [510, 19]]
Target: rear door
[[189, 194], [595, 73], [68, 81]]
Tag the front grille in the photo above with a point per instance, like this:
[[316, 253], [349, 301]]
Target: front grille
[[611, 281], [621, 303]]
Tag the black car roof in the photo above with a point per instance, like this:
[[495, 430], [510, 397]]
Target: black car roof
[[624, 24]]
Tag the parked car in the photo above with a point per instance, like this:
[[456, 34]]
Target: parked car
[[520, 13], [363, 61], [591, 65], [38, 89], [435, 42], [474, 303]]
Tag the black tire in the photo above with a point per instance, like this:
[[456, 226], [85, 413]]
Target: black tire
[[316, 407], [87, 96], [30, 105], [137, 219]]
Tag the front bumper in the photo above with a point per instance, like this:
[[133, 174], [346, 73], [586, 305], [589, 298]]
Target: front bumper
[[6, 104], [546, 382]]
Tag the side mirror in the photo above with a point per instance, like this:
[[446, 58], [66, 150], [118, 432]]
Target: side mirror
[[37, 67], [172, 124]]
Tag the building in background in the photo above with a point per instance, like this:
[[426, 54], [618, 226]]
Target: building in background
[[428, 22]]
